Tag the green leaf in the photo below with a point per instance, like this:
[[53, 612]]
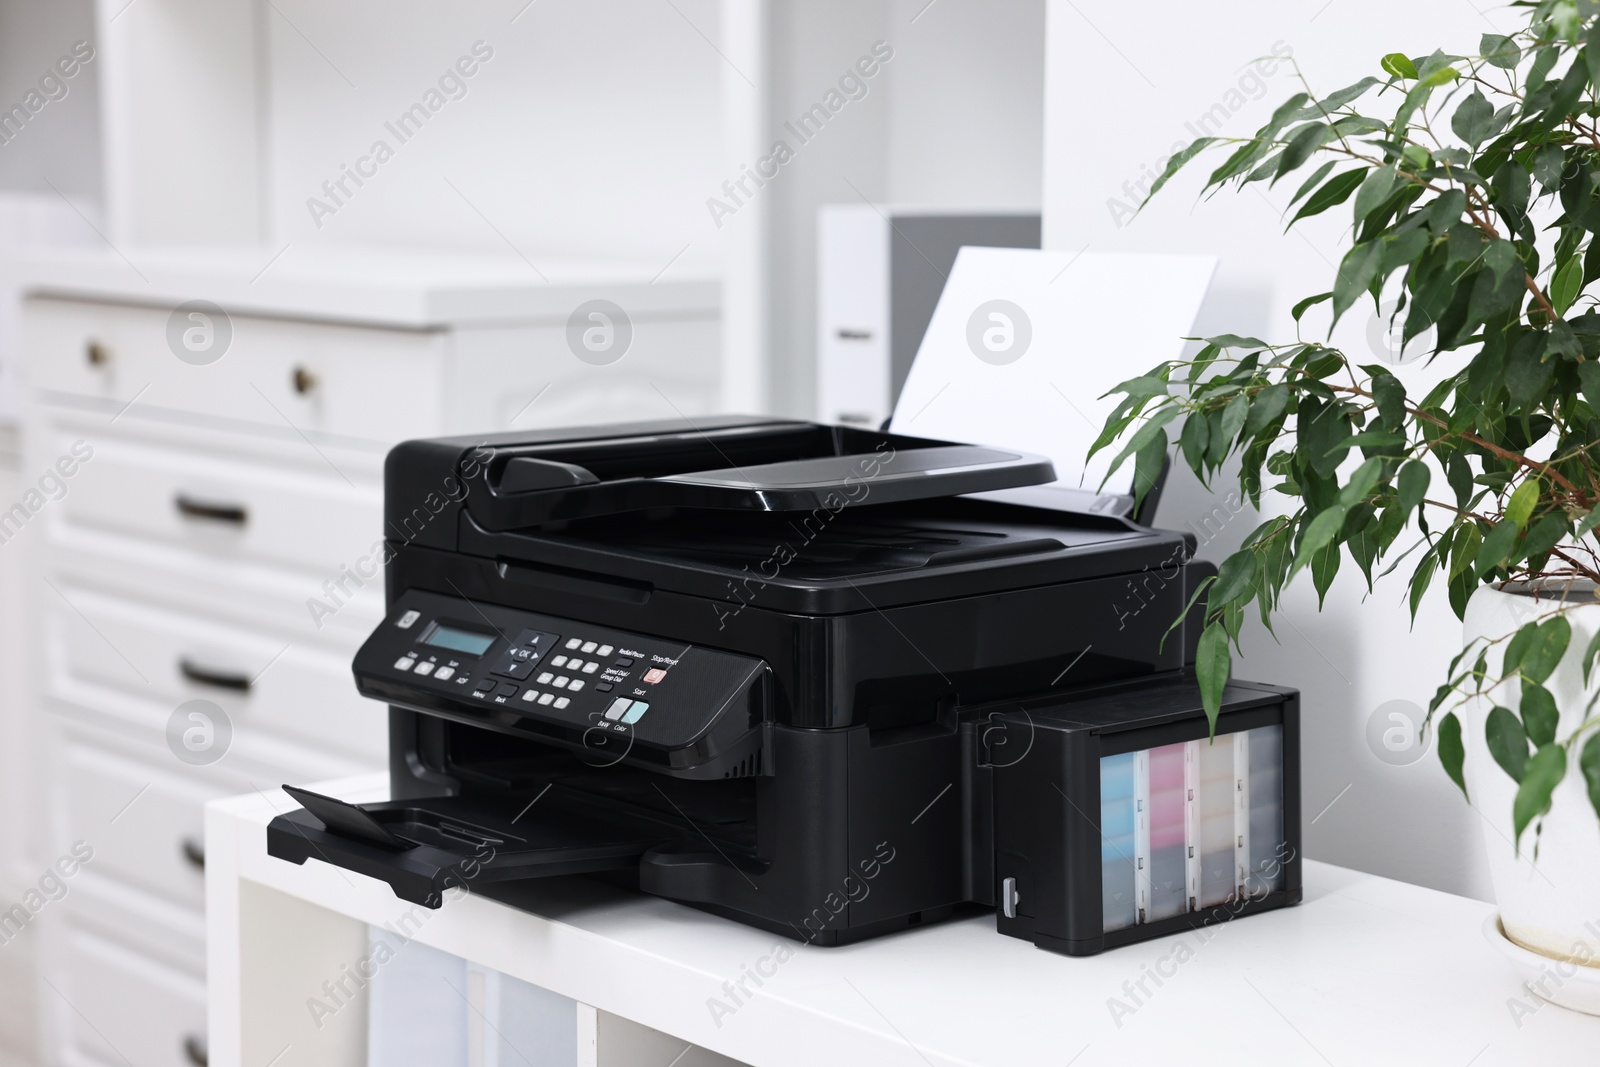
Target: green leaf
[[1235, 580], [1472, 119], [1459, 474], [1375, 189], [1399, 65], [1268, 405], [1564, 287], [1337, 191], [1324, 566], [1421, 578], [1546, 534], [1501, 258], [1176, 163], [1545, 650], [1148, 463], [1212, 664], [1343, 96], [1545, 771], [1499, 51], [1233, 417], [1310, 301], [1589, 376], [1390, 396], [1193, 441], [1589, 764], [1508, 744], [1452, 753], [1590, 521], [1362, 480], [1323, 529], [1304, 141], [1356, 272], [1523, 500], [1311, 182], [1413, 484], [1589, 655], [1233, 340], [1539, 714], [1548, 164], [1497, 545], [1445, 211]]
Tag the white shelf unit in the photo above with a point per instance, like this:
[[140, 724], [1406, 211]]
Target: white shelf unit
[[208, 507]]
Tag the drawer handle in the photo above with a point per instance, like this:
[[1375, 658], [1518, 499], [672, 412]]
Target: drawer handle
[[194, 1047], [235, 680], [216, 511], [303, 381], [195, 852], [96, 353]]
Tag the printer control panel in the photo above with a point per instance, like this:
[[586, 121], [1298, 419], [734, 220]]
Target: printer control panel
[[542, 674]]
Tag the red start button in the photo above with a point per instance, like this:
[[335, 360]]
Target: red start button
[[654, 675]]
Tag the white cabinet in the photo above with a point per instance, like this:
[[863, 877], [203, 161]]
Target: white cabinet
[[206, 531]]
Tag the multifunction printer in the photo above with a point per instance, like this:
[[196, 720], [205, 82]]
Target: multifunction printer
[[821, 680]]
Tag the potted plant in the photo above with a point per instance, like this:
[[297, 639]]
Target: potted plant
[[1475, 201]]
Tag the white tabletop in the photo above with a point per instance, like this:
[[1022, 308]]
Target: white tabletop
[[364, 284], [1366, 971]]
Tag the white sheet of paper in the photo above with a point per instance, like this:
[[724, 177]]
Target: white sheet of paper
[[1024, 343]]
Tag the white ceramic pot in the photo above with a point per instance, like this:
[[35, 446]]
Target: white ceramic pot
[[1552, 905]]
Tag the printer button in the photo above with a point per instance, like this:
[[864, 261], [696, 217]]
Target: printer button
[[590, 667], [574, 643], [425, 667], [577, 684], [530, 695], [561, 681], [544, 677], [406, 621], [635, 713], [404, 663], [590, 646], [559, 661], [546, 698], [624, 662], [486, 685], [444, 674], [603, 687], [604, 650], [654, 675], [562, 702], [618, 707], [506, 690]]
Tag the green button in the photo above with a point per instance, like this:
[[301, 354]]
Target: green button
[[635, 713]]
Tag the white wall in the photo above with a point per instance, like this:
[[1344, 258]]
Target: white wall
[[60, 145], [593, 130], [952, 120], [1123, 83]]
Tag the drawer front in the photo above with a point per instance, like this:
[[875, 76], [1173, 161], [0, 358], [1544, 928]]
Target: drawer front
[[144, 822], [300, 513], [294, 377], [290, 687], [127, 1009], [247, 594], [166, 931]]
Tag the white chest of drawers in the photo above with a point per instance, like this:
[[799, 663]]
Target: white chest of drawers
[[203, 530]]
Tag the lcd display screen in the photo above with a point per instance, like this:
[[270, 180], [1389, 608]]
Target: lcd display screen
[[473, 644]]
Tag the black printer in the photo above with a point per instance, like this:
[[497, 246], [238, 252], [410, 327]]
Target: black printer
[[799, 676]]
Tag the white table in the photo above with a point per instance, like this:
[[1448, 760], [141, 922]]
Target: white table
[[1366, 971]]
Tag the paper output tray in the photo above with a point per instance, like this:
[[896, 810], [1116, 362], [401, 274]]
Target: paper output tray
[[424, 847]]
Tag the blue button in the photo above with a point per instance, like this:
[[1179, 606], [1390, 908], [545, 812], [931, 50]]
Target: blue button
[[635, 713]]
